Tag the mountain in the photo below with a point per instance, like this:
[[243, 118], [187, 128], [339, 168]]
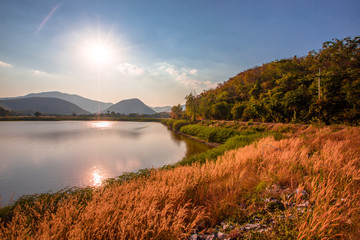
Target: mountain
[[130, 106], [44, 105], [89, 105], [162, 109]]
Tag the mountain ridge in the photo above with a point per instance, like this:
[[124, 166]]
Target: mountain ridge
[[89, 105], [43, 105], [125, 106], [133, 105]]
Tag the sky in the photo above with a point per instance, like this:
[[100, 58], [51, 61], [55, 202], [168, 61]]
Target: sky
[[156, 50]]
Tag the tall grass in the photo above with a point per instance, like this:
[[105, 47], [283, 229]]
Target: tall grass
[[170, 204]]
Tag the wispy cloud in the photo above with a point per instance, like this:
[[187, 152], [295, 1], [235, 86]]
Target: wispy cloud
[[4, 64], [38, 72], [188, 78], [183, 76], [209, 84], [130, 69]]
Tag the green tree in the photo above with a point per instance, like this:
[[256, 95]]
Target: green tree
[[176, 112], [221, 110], [191, 106], [237, 110]]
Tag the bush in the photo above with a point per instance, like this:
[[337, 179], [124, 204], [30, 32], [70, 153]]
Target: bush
[[180, 123], [210, 134]]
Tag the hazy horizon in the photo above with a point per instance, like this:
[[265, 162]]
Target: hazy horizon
[[157, 51]]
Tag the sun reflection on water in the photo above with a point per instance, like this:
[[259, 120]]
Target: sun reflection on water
[[96, 178], [101, 124]]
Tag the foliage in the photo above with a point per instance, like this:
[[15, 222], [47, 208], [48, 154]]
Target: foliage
[[210, 134], [176, 112], [287, 90], [191, 106], [175, 124]]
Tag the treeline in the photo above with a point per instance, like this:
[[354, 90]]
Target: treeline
[[287, 90], [6, 113]]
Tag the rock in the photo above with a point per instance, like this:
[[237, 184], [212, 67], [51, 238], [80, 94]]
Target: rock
[[210, 237], [256, 226], [302, 192], [206, 237], [303, 205], [225, 225], [221, 235], [193, 237], [250, 226]]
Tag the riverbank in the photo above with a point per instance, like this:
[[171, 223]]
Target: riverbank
[[304, 185], [79, 118]]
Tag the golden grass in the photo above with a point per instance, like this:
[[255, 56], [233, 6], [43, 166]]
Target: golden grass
[[170, 204]]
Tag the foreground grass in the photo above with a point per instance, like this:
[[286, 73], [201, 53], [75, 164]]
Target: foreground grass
[[318, 166]]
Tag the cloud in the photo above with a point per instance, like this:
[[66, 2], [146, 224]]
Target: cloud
[[165, 72], [4, 64], [193, 71], [209, 84], [37, 72], [130, 69], [183, 76]]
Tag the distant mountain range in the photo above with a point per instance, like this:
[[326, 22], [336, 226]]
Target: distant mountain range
[[89, 105], [67, 104], [162, 109], [130, 106], [43, 105]]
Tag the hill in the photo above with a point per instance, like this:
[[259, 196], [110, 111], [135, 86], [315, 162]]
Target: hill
[[44, 105], [89, 105], [128, 106], [287, 90]]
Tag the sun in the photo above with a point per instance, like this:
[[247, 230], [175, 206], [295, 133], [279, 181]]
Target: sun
[[98, 52]]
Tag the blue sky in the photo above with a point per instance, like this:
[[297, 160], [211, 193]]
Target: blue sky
[[156, 50]]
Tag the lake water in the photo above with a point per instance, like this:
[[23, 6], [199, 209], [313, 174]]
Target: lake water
[[37, 157]]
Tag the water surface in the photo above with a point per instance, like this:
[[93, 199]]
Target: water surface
[[38, 157]]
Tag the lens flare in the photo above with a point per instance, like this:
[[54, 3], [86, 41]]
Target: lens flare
[[98, 52]]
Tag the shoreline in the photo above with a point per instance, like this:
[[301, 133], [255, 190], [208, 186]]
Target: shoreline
[[211, 144]]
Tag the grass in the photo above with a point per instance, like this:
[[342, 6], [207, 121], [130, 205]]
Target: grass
[[319, 167], [209, 134]]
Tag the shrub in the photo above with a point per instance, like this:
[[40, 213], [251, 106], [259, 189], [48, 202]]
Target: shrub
[[180, 123], [210, 134]]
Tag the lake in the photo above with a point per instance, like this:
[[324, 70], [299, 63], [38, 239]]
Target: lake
[[38, 157]]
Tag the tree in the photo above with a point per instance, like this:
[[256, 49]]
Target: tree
[[237, 110], [221, 110], [256, 90], [4, 112], [176, 112], [37, 114], [191, 106]]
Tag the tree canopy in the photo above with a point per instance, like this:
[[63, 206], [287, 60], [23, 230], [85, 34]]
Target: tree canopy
[[287, 90]]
